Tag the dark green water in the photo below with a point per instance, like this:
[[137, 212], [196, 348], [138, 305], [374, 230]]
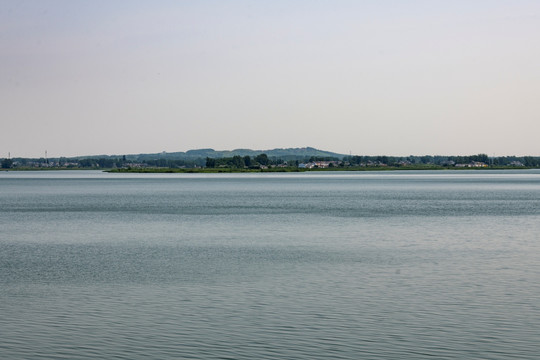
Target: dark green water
[[401, 265]]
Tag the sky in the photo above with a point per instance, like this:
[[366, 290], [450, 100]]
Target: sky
[[374, 77]]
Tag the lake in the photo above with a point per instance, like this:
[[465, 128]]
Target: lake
[[315, 265]]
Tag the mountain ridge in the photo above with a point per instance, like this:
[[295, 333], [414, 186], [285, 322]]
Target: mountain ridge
[[283, 153]]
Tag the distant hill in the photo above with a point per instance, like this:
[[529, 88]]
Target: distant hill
[[285, 154]]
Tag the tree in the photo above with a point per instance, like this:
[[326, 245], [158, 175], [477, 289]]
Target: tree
[[383, 159], [481, 158], [210, 163], [247, 160], [426, 159], [530, 161], [237, 161], [356, 160], [262, 159], [7, 163]]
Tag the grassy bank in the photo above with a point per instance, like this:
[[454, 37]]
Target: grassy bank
[[270, 170], [295, 169]]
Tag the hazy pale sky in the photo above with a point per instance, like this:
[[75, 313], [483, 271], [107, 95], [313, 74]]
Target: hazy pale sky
[[367, 77]]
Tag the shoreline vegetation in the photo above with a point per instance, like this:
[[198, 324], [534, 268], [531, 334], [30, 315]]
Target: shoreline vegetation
[[163, 170], [298, 170], [276, 160], [150, 170]]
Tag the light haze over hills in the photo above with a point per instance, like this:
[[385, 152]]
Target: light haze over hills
[[289, 153], [361, 77]]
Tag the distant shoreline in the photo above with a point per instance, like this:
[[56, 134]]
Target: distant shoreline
[[287, 160], [270, 170], [297, 170]]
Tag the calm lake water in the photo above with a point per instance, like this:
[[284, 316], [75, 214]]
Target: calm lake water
[[386, 265]]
